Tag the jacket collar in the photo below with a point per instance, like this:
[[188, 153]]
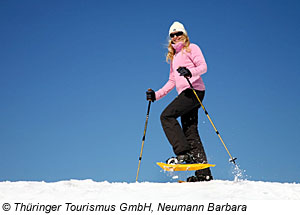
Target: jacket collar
[[178, 46]]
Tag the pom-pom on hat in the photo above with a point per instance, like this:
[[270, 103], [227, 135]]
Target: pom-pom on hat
[[177, 26]]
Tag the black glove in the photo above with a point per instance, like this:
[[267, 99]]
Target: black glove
[[183, 71], [150, 95]]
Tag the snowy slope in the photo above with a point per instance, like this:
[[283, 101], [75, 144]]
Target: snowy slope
[[91, 190]]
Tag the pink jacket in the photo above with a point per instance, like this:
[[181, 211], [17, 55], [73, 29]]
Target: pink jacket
[[192, 60]]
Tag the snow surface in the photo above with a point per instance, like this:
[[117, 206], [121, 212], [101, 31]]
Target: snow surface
[[91, 190]]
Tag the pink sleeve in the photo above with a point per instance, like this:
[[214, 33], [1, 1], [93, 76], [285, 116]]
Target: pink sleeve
[[198, 60], [167, 87]]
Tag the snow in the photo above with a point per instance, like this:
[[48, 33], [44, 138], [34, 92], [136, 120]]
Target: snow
[[92, 190]]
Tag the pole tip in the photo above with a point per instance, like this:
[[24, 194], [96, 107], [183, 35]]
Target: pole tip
[[232, 160]]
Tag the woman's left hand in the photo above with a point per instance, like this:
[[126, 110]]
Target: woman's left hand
[[183, 71]]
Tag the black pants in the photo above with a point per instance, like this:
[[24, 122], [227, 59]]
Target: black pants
[[185, 139]]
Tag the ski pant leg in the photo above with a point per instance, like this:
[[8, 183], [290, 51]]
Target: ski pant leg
[[189, 122], [181, 105]]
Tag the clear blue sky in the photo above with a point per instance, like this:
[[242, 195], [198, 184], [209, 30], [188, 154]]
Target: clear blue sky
[[73, 76]]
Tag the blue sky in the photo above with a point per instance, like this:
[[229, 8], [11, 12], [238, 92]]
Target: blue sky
[[73, 76]]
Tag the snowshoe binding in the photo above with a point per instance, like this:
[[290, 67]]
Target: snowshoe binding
[[181, 159]]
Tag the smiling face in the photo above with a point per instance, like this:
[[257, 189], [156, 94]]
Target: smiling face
[[174, 38], [177, 36]]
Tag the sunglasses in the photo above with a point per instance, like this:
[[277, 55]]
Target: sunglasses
[[177, 34]]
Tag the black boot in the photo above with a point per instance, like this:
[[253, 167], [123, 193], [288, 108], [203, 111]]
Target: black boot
[[186, 158], [199, 178]]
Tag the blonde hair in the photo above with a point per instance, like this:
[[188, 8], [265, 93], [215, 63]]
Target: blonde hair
[[171, 50]]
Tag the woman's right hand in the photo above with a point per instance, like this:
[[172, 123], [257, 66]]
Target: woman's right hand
[[150, 95]]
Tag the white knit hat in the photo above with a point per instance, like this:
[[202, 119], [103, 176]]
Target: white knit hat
[[177, 26]]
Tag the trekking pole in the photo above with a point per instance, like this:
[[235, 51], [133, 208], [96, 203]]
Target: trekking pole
[[232, 159], [143, 141]]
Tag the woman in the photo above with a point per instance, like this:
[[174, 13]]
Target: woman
[[186, 61]]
